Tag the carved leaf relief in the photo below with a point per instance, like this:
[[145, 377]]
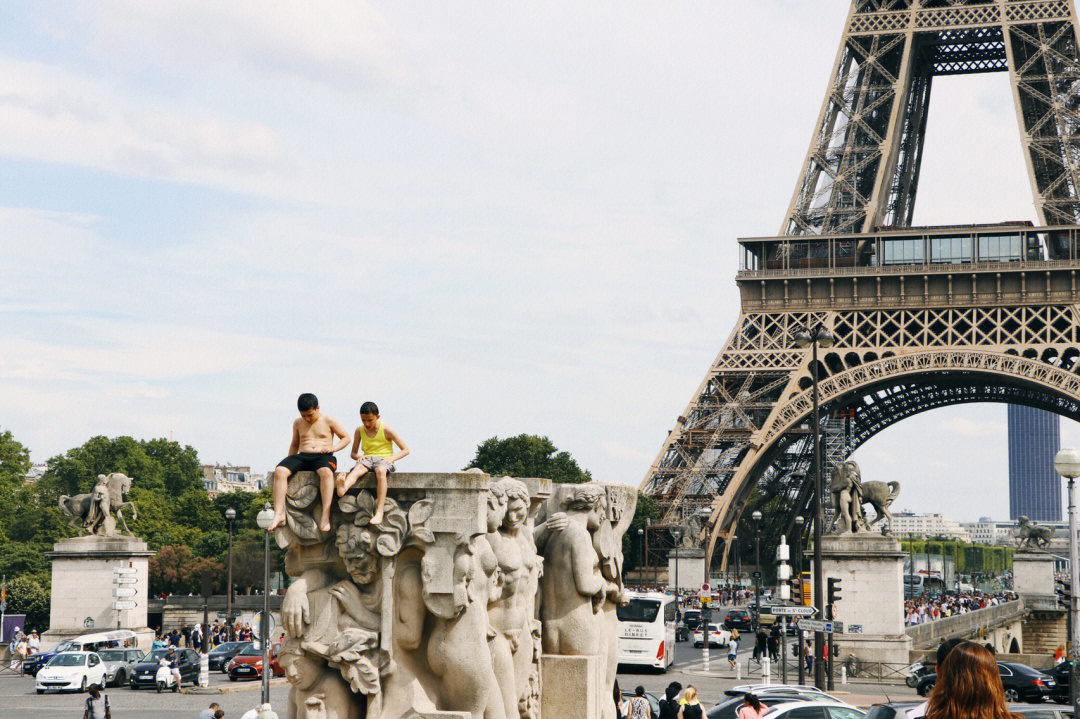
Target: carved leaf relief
[[302, 524]]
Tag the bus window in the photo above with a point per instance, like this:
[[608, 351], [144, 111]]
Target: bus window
[[638, 610]]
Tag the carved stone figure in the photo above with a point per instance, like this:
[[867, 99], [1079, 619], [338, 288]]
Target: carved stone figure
[[1029, 535], [96, 513], [850, 493]]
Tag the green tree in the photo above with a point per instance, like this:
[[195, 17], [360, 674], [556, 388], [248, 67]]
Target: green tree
[[175, 570], [26, 596], [14, 462], [528, 455]]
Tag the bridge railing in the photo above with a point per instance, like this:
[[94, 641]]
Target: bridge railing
[[965, 625]]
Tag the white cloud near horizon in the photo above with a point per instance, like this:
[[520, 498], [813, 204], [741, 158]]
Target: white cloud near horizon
[[489, 218]]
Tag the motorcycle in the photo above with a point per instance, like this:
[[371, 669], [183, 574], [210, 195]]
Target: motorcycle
[[167, 677], [916, 672]]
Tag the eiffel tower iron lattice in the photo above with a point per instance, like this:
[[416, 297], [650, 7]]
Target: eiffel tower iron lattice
[[923, 317]]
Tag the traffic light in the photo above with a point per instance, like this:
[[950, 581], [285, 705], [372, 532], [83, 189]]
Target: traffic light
[[796, 590], [834, 590]]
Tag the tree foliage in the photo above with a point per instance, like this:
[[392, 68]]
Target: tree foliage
[[632, 545], [175, 570], [26, 596], [528, 455]]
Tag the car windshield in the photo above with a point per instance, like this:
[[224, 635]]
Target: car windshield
[[68, 660], [112, 655], [158, 654], [639, 610], [227, 646], [64, 647], [251, 651]]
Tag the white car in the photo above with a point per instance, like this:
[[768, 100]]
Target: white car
[[718, 636], [71, 670], [815, 710]]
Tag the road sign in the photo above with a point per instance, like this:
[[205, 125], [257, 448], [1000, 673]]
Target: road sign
[[256, 625], [757, 575], [124, 570], [797, 611], [818, 625], [125, 580], [124, 592], [3, 606], [124, 604], [853, 629]]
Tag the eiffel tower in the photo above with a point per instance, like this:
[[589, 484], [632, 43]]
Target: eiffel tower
[[922, 317]]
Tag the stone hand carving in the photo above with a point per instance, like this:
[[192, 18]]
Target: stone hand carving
[[1030, 535], [850, 493], [96, 513]]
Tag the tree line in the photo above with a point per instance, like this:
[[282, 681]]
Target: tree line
[[180, 522]]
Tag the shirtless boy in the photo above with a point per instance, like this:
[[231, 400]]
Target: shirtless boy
[[312, 450], [377, 442]]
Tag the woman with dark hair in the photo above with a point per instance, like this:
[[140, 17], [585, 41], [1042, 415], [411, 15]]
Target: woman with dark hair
[[752, 707], [669, 705], [968, 686]]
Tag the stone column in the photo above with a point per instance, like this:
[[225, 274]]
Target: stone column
[[871, 570], [691, 568], [1033, 575], [83, 570]]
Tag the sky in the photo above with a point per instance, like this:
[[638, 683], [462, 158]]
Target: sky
[[489, 218]]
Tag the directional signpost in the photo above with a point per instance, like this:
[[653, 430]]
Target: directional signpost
[[123, 577], [819, 625], [796, 611]]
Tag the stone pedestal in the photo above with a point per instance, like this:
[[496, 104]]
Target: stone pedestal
[[871, 606], [573, 687], [1033, 574], [691, 568], [83, 588]]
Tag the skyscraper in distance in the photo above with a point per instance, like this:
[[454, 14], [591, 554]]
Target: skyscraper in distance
[[1034, 487]]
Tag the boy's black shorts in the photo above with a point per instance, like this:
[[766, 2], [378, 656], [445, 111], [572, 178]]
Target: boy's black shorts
[[308, 462]]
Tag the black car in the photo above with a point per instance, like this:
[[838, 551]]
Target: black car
[[1060, 673], [37, 661], [145, 674], [738, 619], [222, 653], [1024, 684], [690, 620]]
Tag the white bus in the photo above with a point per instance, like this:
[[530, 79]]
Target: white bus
[[647, 630]]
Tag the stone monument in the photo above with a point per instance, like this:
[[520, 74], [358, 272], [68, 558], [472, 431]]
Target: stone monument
[[88, 571], [870, 566], [458, 603]]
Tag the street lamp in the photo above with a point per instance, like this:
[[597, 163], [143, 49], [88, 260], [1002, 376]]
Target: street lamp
[[641, 553], [814, 337], [756, 516], [677, 534], [799, 521], [230, 515], [1067, 464], [738, 567], [264, 519]]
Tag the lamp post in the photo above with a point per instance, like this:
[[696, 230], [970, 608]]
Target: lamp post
[[756, 516], [814, 337], [799, 521], [1067, 464], [230, 515], [264, 519], [677, 534], [641, 554], [738, 568]]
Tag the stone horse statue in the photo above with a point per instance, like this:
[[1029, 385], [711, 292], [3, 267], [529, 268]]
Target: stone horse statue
[[93, 513], [1029, 534], [850, 493]]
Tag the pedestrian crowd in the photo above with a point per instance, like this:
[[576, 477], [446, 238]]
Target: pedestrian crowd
[[23, 646], [677, 703], [191, 636], [929, 609]]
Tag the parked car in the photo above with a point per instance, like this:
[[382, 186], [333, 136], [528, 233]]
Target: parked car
[[120, 664], [718, 636], [1046, 711], [738, 619], [71, 671], [222, 653], [112, 639], [187, 661], [781, 707], [806, 691], [35, 662], [1024, 684], [248, 664]]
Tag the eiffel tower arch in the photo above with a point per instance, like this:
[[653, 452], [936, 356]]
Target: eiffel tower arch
[[922, 317]]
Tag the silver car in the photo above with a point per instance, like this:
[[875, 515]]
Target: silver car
[[119, 665]]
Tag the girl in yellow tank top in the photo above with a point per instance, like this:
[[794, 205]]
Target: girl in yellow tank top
[[378, 456]]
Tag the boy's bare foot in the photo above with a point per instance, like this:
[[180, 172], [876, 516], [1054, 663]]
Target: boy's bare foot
[[377, 519], [324, 525], [279, 519]]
